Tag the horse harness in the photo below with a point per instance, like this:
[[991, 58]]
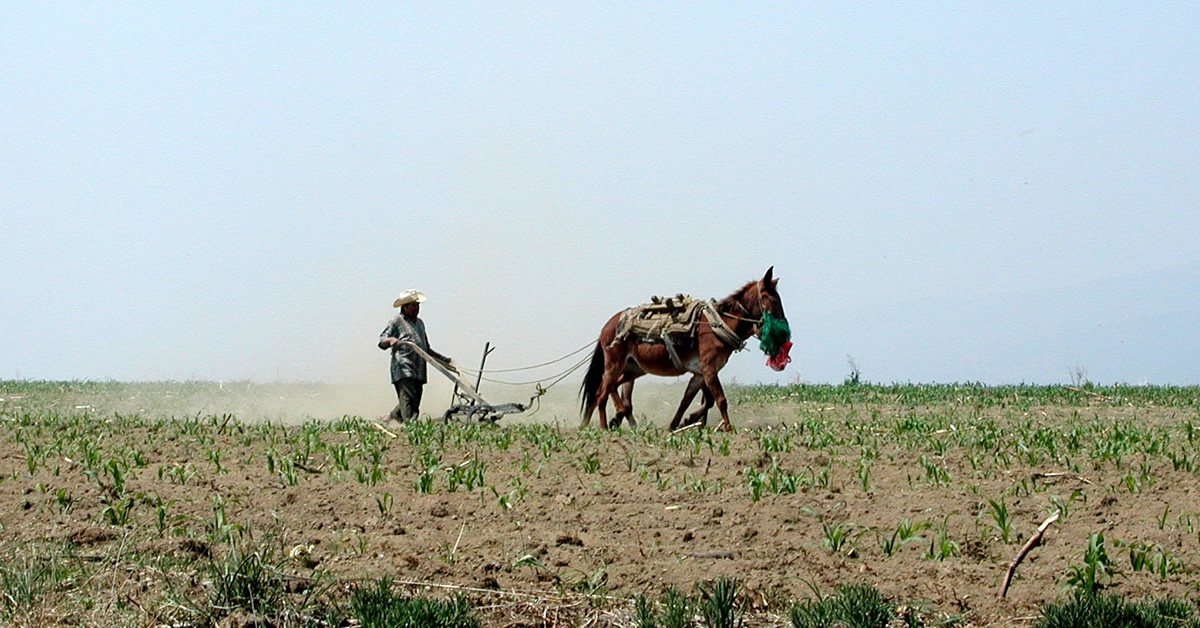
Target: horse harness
[[672, 320]]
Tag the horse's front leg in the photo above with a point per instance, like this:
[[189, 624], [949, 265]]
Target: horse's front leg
[[718, 395]]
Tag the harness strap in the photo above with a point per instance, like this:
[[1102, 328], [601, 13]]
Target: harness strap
[[670, 345], [719, 327]]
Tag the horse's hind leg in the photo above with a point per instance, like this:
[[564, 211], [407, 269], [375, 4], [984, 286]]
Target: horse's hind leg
[[609, 388], [693, 386], [602, 408], [625, 390], [701, 415], [622, 397]]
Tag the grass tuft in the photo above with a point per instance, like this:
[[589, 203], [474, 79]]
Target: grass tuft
[[1111, 611], [852, 606], [379, 606], [719, 603]]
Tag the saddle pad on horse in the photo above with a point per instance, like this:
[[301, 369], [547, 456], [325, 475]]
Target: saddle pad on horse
[[675, 316]]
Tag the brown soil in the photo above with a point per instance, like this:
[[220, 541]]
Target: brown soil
[[603, 513]]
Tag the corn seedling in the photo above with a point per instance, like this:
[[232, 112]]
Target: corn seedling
[[63, 497], [214, 456], [941, 546], [468, 474], [905, 532], [220, 528], [1001, 519], [118, 512], [590, 463], [1096, 570], [425, 480], [287, 472], [935, 473], [579, 581], [1152, 558], [864, 475], [384, 502], [772, 443]]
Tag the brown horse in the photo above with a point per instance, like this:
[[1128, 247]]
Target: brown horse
[[618, 361]]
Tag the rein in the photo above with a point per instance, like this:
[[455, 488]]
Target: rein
[[735, 317], [757, 322]]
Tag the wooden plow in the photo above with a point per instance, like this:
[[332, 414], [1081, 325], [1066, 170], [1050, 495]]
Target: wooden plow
[[467, 405]]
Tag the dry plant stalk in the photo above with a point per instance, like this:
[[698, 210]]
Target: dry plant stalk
[[689, 426], [1033, 541], [1063, 474]]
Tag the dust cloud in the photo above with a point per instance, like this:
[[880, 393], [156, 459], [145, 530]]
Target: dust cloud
[[293, 403]]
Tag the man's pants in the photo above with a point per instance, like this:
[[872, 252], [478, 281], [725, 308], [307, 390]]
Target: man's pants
[[408, 392]]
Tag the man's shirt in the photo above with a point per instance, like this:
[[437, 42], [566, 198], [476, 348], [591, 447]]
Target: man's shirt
[[406, 364]]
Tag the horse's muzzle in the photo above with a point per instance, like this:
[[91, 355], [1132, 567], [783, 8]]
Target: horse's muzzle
[[780, 360]]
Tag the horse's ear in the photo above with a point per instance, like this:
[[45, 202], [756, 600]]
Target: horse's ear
[[767, 277]]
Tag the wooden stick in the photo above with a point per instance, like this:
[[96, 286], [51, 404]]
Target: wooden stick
[[1033, 541], [384, 429]]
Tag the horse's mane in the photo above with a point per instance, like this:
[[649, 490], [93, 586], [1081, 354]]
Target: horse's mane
[[738, 296]]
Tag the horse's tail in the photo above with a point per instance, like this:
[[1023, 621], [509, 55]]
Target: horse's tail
[[591, 383]]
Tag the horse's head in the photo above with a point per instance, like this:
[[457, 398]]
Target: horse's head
[[774, 334], [768, 295]]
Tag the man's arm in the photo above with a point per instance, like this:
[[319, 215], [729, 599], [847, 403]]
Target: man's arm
[[391, 334]]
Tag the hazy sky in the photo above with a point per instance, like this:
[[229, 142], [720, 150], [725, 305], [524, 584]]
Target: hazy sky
[[997, 192]]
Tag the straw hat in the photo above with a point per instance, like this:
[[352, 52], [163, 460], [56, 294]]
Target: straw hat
[[409, 296]]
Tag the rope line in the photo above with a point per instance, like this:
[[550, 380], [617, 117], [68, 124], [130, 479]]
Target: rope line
[[556, 377], [539, 390], [525, 368], [536, 399]]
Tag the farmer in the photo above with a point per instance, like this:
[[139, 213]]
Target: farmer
[[408, 367]]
